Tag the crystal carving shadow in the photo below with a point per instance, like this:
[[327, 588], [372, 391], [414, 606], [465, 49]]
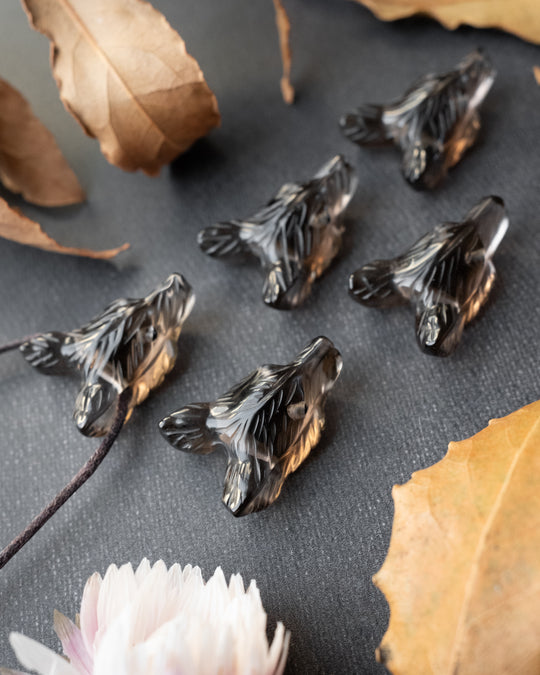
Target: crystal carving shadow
[[201, 161]]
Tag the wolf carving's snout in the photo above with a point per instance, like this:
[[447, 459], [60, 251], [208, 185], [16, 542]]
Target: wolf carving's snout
[[175, 286], [174, 300], [321, 355], [478, 66], [341, 181]]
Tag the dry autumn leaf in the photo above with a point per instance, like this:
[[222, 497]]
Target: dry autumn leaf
[[284, 31], [16, 227], [125, 75], [536, 72], [462, 574], [30, 161], [521, 17]]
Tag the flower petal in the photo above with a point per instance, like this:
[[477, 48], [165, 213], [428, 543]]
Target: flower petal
[[279, 650], [89, 611], [118, 588], [156, 603], [113, 655], [37, 657], [142, 571], [73, 643]]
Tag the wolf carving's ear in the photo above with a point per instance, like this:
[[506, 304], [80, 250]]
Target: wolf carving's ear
[[439, 329], [222, 240], [186, 430], [285, 286], [423, 163], [373, 285], [365, 125], [95, 408], [244, 492], [44, 352]]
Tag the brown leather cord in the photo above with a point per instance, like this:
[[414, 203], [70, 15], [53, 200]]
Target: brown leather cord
[[75, 483]]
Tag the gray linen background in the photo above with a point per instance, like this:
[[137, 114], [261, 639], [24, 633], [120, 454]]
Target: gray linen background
[[393, 410]]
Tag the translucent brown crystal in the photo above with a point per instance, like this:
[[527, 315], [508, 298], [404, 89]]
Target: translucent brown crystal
[[266, 425], [132, 343], [295, 236], [433, 124], [446, 276]]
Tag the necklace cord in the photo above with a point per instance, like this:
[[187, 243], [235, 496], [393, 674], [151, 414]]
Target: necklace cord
[[74, 484]]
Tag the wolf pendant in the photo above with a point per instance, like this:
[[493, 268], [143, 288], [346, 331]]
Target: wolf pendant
[[433, 124], [447, 276], [266, 425], [295, 236], [131, 343]]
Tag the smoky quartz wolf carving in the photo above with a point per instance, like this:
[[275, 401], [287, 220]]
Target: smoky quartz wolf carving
[[132, 343], [446, 276], [295, 236], [433, 124], [266, 425]]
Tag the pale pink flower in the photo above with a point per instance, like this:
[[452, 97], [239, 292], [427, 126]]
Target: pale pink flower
[[156, 621]]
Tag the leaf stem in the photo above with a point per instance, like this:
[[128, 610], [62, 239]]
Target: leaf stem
[[75, 483]]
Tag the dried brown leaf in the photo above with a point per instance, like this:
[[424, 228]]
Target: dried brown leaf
[[16, 227], [125, 75], [31, 162], [284, 32], [536, 71], [521, 17], [462, 574]]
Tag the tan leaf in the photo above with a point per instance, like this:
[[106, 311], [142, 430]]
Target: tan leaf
[[536, 71], [284, 31], [30, 161], [462, 574], [125, 75], [521, 17], [16, 227]]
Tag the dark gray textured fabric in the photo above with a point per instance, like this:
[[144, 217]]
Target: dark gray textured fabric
[[393, 410]]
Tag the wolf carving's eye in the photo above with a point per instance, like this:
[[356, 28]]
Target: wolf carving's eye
[[152, 334], [324, 217]]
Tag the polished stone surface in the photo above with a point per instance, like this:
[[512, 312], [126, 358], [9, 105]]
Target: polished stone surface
[[435, 122], [267, 425], [392, 411], [132, 343], [446, 276], [295, 236]]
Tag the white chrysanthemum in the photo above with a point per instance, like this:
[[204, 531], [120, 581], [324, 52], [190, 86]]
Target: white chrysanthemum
[[161, 622]]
